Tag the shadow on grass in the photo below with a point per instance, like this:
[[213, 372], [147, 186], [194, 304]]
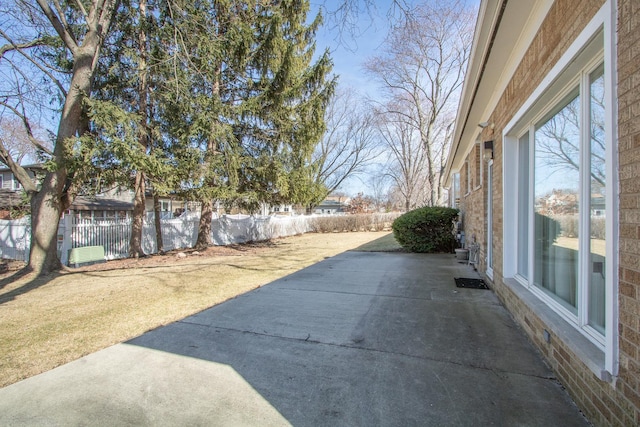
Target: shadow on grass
[[386, 243], [32, 282]]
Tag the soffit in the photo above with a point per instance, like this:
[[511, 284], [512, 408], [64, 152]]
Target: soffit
[[504, 31]]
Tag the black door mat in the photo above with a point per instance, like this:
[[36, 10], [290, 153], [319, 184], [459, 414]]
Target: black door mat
[[463, 282]]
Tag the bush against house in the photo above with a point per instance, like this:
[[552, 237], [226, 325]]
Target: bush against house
[[426, 229]]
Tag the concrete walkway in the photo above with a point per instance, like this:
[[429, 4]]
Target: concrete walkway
[[360, 339]]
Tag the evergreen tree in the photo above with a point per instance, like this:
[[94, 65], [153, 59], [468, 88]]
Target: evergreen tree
[[246, 102], [126, 123]]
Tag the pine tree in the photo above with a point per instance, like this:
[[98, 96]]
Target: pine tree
[[247, 101]]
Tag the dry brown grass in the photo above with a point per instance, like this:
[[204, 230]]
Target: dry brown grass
[[48, 322]]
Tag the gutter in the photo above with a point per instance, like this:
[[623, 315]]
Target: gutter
[[485, 61]]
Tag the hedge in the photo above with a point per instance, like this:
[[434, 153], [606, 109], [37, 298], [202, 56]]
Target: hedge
[[427, 229]]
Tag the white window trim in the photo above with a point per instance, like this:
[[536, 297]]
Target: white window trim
[[490, 215], [478, 160], [455, 192], [605, 20], [467, 175], [15, 184]]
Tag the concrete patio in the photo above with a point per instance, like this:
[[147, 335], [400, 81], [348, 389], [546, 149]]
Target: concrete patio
[[360, 339]]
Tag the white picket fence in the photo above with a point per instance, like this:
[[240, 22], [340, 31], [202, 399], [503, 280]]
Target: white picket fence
[[177, 233]]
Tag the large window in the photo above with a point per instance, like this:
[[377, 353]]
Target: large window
[[556, 202], [560, 203], [561, 209]]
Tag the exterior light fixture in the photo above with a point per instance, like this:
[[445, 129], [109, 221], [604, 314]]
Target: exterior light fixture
[[487, 153], [486, 125]]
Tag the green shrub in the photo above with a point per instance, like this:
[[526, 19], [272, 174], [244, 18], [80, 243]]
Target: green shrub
[[427, 229]]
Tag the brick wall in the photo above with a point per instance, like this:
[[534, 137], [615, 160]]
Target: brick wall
[[629, 163], [604, 403], [473, 201]]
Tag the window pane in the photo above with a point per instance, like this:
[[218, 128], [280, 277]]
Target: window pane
[[556, 191], [597, 202]]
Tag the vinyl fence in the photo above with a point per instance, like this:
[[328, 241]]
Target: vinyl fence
[[177, 233], [15, 237]]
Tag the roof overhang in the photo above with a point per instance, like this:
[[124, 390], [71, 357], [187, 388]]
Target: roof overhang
[[82, 203], [504, 30]]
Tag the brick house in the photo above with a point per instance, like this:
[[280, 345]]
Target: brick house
[[545, 167]]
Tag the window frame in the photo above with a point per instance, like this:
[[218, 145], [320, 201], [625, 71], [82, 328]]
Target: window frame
[[594, 45], [455, 191], [479, 169], [579, 319], [467, 176]]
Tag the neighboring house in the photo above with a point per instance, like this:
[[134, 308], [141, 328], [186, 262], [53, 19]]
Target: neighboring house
[[281, 209], [172, 207], [545, 167], [330, 207], [335, 203], [11, 197], [100, 207], [109, 205], [116, 203]]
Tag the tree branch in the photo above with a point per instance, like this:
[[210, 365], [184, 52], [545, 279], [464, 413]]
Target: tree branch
[[20, 50], [25, 121], [18, 171], [67, 37]]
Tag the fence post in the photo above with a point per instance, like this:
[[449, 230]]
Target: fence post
[[65, 234]]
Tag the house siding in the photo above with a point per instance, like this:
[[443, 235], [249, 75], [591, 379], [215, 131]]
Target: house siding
[[474, 200], [629, 170], [615, 402]]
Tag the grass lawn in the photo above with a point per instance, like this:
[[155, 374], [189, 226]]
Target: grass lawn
[[47, 322]]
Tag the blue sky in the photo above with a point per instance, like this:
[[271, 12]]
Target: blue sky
[[350, 53]]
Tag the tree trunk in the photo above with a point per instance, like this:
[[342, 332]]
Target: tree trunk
[[158, 223], [135, 244], [45, 217], [204, 226], [54, 197], [48, 204]]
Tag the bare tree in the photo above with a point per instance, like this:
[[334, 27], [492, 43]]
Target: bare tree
[[345, 17], [350, 143], [421, 69], [407, 158], [378, 185], [50, 50], [19, 143]]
